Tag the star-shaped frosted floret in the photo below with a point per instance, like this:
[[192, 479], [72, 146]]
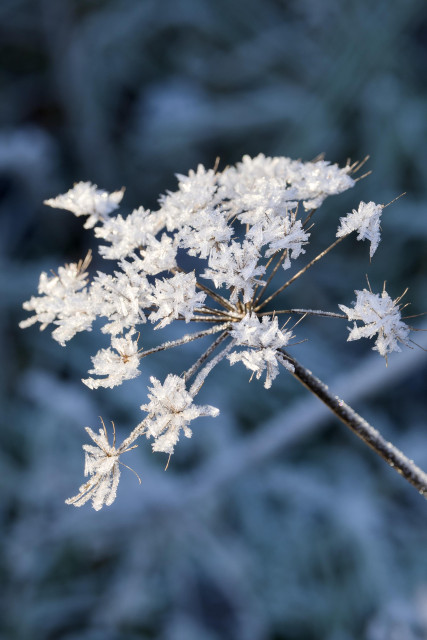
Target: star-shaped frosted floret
[[85, 199], [171, 409], [174, 297], [64, 301], [102, 464], [268, 198], [128, 234], [264, 339], [281, 232], [235, 266], [196, 194], [380, 315], [116, 364], [315, 181], [121, 298], [204, 233], [236, 181], [366, 221], [158, 255]]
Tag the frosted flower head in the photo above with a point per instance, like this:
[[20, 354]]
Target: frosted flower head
[[117, 363], [63, 301], [265, 341], [85, 199], [380, 316], [171, 409], [102, 465], [366, 221]]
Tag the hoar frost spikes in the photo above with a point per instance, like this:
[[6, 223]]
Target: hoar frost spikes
[[248, 224]]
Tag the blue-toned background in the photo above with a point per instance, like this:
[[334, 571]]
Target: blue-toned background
[[271, 523]]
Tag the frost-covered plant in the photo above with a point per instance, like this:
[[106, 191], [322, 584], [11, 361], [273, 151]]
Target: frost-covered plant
[[239, 226]]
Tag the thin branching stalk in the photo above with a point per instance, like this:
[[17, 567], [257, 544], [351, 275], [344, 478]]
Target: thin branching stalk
[[300, 272], [199, 381], [192, 370], [215, 296], [270, 277], [189, 337], [304, 312]]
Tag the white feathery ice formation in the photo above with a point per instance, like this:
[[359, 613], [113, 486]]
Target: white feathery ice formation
[[244, 224]]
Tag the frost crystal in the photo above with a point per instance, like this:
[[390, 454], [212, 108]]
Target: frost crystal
[[64, 301], [235, 266], [85, 199], [211, 254], [102, 464], [171, 409], [366, 221], [128, 234], [380, 315], [175, 297], [265, 340], [117, 363]]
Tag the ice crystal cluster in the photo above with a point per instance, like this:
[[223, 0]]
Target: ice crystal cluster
[[241, 229]]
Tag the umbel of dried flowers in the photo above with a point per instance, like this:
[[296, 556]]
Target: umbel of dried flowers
[[245, 228]]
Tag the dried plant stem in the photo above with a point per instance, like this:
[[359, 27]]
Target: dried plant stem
[[199, 381], [190, 372], [304, 312], [189, 337], [215, 296], [270, 277], [386, 450], [300, 272]]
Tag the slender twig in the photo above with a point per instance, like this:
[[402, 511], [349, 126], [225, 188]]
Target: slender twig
[[209, 319], [199, 381], [192, 370], [213, 312], [307, 312], [189, 337], [270, 277], [386, 450], [222, 301], [300, 272], [308, 217]]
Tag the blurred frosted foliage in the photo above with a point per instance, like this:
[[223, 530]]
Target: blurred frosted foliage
[[246, 537]]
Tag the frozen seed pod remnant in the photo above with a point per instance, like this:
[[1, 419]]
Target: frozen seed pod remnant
[[249, 225]]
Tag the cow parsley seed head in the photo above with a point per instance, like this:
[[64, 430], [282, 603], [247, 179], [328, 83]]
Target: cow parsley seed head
[[380, 316], [236, 266], [239, 229]]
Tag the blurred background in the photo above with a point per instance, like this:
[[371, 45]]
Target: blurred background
[[272, 522]]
